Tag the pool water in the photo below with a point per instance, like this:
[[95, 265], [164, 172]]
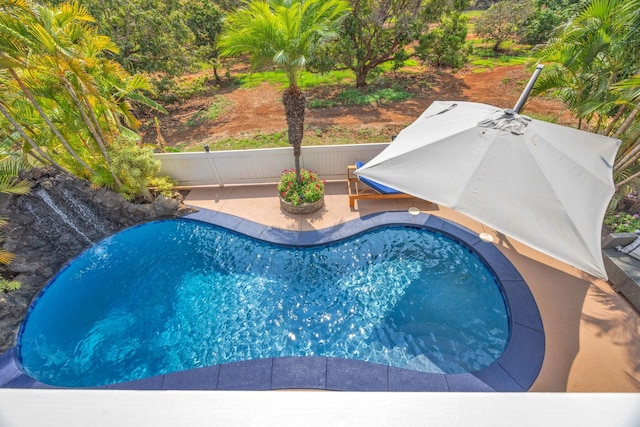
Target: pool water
[[173, 295]]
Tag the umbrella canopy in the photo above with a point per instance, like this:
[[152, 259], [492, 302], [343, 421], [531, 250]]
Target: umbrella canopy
[[543, 184]]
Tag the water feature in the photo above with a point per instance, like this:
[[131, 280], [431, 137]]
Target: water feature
[[84, 212], [63, 216]]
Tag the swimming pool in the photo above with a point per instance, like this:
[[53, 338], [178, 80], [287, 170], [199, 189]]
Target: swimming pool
[[288, 342]]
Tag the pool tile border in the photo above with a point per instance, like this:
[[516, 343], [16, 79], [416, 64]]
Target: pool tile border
[[515, 370]]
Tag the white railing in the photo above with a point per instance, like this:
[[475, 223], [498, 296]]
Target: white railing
[[262, 165]]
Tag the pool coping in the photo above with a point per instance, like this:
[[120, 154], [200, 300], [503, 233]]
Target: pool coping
[[514, 371]]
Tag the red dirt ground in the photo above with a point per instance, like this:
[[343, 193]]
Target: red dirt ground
[[259, 110]]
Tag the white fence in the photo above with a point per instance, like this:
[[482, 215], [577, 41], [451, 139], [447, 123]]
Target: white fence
[[262, 165]]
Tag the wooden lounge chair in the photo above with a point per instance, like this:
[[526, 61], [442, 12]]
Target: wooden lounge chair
[[370, 189]]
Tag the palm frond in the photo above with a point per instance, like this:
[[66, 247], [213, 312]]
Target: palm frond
[[9, 183], [6, 257]]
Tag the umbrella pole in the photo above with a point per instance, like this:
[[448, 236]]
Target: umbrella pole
[[527, 90]]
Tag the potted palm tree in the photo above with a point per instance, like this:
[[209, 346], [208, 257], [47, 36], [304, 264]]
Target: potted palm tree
[[283, 33]]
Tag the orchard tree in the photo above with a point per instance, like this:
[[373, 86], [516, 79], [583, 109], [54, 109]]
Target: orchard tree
[[227, 6], [548, 16], [205, 22], [151, 35], [446, 45], [503, 21], [376, 32]]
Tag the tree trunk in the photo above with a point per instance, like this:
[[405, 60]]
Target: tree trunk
[[361, 78], [55, 131], [215, 74], [629, 179], [294, 106], [619, 113], [629, 158], [623, 127], [93, 125]]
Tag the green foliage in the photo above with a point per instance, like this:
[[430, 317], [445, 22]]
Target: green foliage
[[10, 183], [310, 190], [255, 79], [8, 285], [321, 103], [103, 178], [306, 79], [135, 166], [472, 15], [161, 37], [333, 135], [64, 96], [446, 44], [622, 222], [548, 16], [364, 97], [228, 5], [590, 64], [503, 21], [375, 33], [174, 89], [205, 22], [499, 61], [591, 58], [151, 35], [10, 165], [219, 106], [162, 185], [550, 118], [281, 33], [260, 140]]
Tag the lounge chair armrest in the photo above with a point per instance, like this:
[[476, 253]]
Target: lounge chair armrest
[[614, 240]]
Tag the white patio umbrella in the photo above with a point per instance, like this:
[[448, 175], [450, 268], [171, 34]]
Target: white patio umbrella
[[543, 184]]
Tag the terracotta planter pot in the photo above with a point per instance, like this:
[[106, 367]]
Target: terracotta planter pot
[[305, 208]]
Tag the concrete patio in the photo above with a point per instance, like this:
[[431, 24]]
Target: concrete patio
[[592, 333]]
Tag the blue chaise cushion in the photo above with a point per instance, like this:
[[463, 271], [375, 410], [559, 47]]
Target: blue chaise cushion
[[382, 189]]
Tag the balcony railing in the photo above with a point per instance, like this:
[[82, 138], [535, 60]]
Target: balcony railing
[[262, 165]]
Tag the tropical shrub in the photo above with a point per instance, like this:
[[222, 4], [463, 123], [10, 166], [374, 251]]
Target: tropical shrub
[[310, 190], [137, 168], [8, 285], [162, 185], [623, 222]]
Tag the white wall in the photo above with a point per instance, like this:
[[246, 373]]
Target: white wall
[[262, 165], [142, 408]]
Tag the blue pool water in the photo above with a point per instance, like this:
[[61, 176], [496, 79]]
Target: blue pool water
[[173, 295]]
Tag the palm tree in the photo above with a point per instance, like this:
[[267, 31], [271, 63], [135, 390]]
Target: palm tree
[[23, 38], [54, 59], [586, 59], [283, 33], [592, 65]]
